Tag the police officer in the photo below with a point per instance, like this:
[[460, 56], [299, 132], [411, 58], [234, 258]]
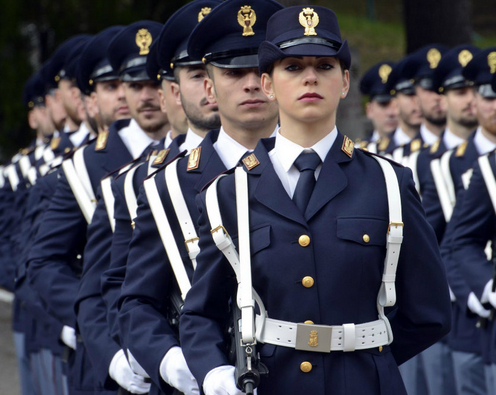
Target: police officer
[[471, 224], [381, 107], [306, 249], [154, 261]]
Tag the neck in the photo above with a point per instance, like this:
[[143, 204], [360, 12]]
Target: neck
[[73, 126], [435, 129], [410, 131], [459, 130], [488, 135], [92, 132], [306, 134], [248, 137], [196, 130]]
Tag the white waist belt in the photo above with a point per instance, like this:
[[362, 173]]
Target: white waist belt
[[323, 338]]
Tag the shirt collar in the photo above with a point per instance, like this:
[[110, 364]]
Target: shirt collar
[[191, 141], [375, 136], [135, 139], [168, 139], [451, 140], [78, 137], [228, 149], [427, 136], [287, 151], [400, 137], [482, 143]]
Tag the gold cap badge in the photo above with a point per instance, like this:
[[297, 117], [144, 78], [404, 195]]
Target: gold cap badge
[[161, 157], [194, 159], [309, 19], [31, 104], [433, 57], [101, 141], [251, 161], [247, 18], [203, 13], [464, 57], [491, 61], [143, 41], [384, 72], [348, 146]]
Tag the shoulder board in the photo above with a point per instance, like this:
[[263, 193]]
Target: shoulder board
[[194, 159], [54, 143], [367, 152], [161, 155], [435, 146], [383, 143], [348, 146], [27, 150], [163, 166], [460, 151], [415, 145], [101, 141], [227, 172]]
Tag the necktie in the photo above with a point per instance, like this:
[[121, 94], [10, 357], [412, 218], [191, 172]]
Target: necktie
[[306, 163]]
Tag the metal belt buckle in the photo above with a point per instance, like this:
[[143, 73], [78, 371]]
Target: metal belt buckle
[[315, 338], [190, 241]]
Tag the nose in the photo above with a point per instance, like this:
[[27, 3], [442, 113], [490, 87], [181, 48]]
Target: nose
[[310, 76], [252, 82]]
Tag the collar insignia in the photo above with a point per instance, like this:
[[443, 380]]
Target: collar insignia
[[460, 151], [309, 19], [247, 18], [415, 145], [348, 146], [251, 161], [194, 159], [161, 157], [54, 144], [101, 141]]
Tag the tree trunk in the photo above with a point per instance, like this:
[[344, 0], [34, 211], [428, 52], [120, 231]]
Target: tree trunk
[[445, 22]]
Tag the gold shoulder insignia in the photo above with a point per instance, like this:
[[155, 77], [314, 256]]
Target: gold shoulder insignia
[[415, 145], [435, 146], [460, 151], [194, 159], [161, 157], [54, 144], [101, 141], [364, 144], [384, 143], [348, 146], [26, 151], [251, 161]]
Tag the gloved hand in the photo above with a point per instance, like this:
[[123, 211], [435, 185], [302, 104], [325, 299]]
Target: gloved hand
[[68, 336], [476, 307], [121, 372], [487, 290], [220, 381], [135, 366], [175, 372]]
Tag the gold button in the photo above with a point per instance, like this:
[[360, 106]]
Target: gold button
[[366, 238], [308, 282], [304, 240], [380, 348], [306, 367], [67, 150], [308, 322]]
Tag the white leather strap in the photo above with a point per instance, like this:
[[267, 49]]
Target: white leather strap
[[448, 179], [488, 176], [186, 223], [466, 177], [387, 292], [86, 205], [398, 154], [38, 152], [108, 199], [25, 165], [129, 195], [412, 164], [2, 178], [32, 176], [48, 154], [13, 177], [442, 191], [82, 172], [167, 236]]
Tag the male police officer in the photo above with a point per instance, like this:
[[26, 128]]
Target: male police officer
[[381, 108], [246, 115]]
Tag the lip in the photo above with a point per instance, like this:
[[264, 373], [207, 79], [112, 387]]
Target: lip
[[253, 102], [149, 110], [123, 110], [310, 96]]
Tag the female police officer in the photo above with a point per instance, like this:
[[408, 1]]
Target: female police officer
[[322, 237]]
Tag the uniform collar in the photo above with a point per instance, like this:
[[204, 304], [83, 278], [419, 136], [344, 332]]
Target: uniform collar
[[427, 136], [375, 136], [168, 139], [135, 139], [451, 140], [228, 149], [79, 136], [191, 141], [400, 137], [482, 143], [287, 151]]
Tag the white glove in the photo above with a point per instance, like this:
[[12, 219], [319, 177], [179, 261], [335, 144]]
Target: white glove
[[476, 307], [220, 381], [175, 372], [487, 290], [121, 372], [68, 336], [135, 366]]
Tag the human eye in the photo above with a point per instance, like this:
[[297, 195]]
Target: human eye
[[292, 67]]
